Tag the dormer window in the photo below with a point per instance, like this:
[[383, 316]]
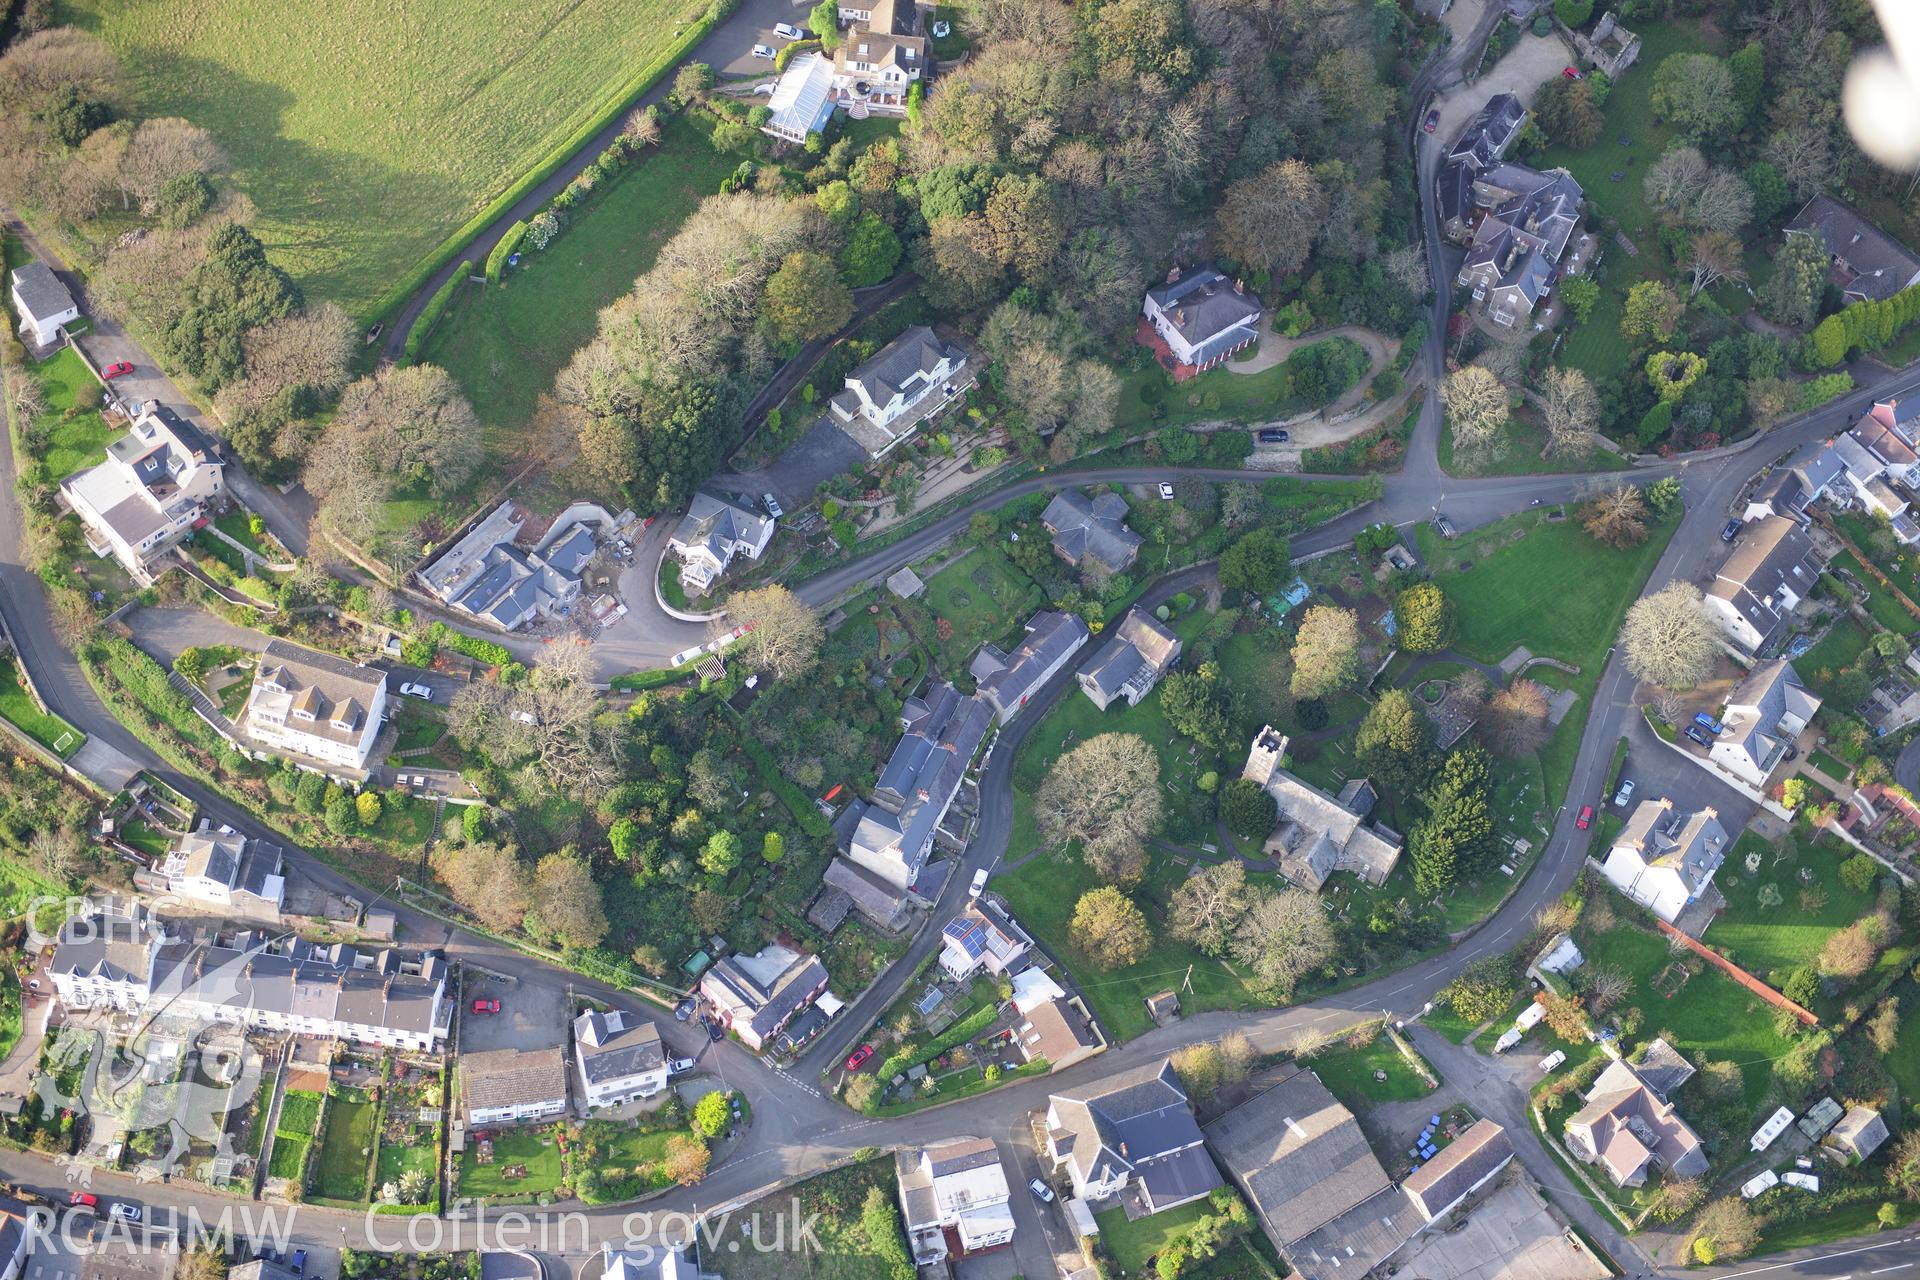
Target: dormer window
[[863, 50], [302, 714]]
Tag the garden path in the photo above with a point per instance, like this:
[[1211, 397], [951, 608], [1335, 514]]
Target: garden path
[[1275, 348]]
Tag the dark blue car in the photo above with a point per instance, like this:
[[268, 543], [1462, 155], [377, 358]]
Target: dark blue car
[[1694, 731]]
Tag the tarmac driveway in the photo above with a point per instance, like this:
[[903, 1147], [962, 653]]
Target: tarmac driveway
[[729, 50], [528, 1019], [1535, 61]]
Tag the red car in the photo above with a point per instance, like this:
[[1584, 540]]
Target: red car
[[859, 1057], [118, 369], [84, 1200], [1585, 819], [1432, 121], [484, 1005], [1571, 73]]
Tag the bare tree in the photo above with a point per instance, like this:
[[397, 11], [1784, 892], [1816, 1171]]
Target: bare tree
[[1272, 218], [1207, 906], [26, 399], [1803, 153], [1724, 202], [1668, 639], [1616, 514], [1675, 178], [56, 852], [1607, 986], [1104, 793], [1476, 407], [642, 127], [1515, 724], [409, 423], [1572, 412], [1713, 256], [1669, 706], [308, 348], [42, 64], [1406, 266], [161, 150], [1282, 938], [783, 635]]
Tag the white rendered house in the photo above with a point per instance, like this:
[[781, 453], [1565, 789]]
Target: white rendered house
[[714, 531], [43, 303], [882, 397], [221, 868], [956, 1190], [1663, 860], [153, 486], [314, 706], [618, 1056]]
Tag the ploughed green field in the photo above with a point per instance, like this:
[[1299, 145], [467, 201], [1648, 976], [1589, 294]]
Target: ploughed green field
[[367, 132]]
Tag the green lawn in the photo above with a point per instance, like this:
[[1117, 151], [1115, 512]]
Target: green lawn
[[504, 347], [1886, 611], [985, 597], [1220, 394], [1135, 1243], [235, 525], [1905, 1066], [1518, 452], [1835, 769], [1348, 1074], [1844, 642], [75, 443], [1448, 1023], [1784, 1231], [1597, 346], [404, 824], [344, 1154], [289, 1156], [533, 1148], [17, 707], [366, 135], [396, 1160], [147, 840], [1769, 942]]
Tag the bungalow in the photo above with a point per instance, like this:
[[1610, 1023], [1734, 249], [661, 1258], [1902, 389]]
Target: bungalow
[[983, 936], [953, 1199], [1626, 1128], [43, 302], [1095, 529], [1007, 681], [511, 1086], [1318, 834], [1463, 1166], [153, 487], [1053, 1028], [1665, 860], [1765, 714], [1134, 1129], [715, 529], [756, 996], [881, 402], [1131, 663], [1868, 264], [1763, 580], [223, 869], [618, 1056], [315, 707], [1195, 321]]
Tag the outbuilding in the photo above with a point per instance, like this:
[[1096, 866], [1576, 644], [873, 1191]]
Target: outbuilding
[[44, 303]]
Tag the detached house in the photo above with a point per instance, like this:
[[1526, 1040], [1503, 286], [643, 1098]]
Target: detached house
[[1196, 320], [1318, 834], [715, 529], [1868, 264], [619, 1057], [983, 936], [511, 1086], [953, 1199], [1007, 681], [1085, 528], [149, 492], [315, 707], [882, 54], [1769, 710], [223, 869], [489, 578], [1665, 860], [1131, 1130], [1763, 581], [1131, 663], [883, 397], [44, 304], [757, 996], [1626, 1128]]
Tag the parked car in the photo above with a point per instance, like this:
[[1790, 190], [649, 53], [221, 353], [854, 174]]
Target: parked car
[[1041, 1191], [1432, 121], [84, 1200], [482, 1004], [298, 1262], [1707, 722], [858, 1058], [680, 1066], [118, 369], [419, 691], [979, 882], [683, 1011], [1625, 793], [1443, 526], [1166, 491], [1571, 73], [1698, 734], [1274, 435], [787, 31], [1729, 531], [125, 1213], [1585, 819], [763, 51], [773, 505], [714, 1030]]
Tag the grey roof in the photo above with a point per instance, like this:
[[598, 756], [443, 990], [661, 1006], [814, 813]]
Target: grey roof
[[1518, 244], [1860, 1131], [242, 865], [716, 521], [1082, 526], [262, 1269], [962, 1155], [941, 732], [1876, 266], [1051, 636], [1359, 1240], [912, 357], [1299, 1154], [772, 985], [569, 555], [1140, 644], [1143, 1110], [1774, 554], [1214, 314], [112, 947], [513, 1077], [1774, 689], [40, 291], [876, 898], [1462, 1165], [321, 683], [1694, 844], [616, 1044], [1783, 492], [1489, 134], [1662, 1068]]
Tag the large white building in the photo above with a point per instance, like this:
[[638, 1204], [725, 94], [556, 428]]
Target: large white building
[[130, 961], [219, 867], [882, 400], [313, 706], [954, 1199], [1665, 860], [714, 531], [146, 496], [1765, 714], [619, 1057]]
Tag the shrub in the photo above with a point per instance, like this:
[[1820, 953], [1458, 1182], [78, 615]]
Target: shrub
[[430, 314], [509, 243], [366, 807], [1573, 12]]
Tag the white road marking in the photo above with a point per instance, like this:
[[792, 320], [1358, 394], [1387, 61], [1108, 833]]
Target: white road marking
[[1897, 1267], [1801, 1262]]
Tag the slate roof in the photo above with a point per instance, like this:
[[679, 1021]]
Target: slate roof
[[513, 1077], [1145, 1110], [1139, 643], [941, 731], [1462, 1165], [1693, 844], [1051, 635], [242, 865], [1662, 1068], [616, 1044], [1315, 834], [716, 522], [1860, 1131], [1299, 1155], [1875, 265], [1519, 243], [40, 291], [1083, 526], [1211, 312], [1783, 492], [912, 357], [1359, 1240], [876, 898], [326, 686], [1770, 691], [1489, 134], [1627, 1124], [1775, 553], [770, 986]]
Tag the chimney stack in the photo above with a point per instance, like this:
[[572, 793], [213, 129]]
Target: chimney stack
[[1173, 276]]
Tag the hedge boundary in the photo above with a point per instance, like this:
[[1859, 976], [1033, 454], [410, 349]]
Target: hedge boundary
[[430, 314], [561, 152], [509, 241]]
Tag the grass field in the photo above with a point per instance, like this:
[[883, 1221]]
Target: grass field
[[1630, 142], [1237, 397], [1135, 1243], [75, 443], [147, 840], [1769, 942], [1348, 1074], [17, 707], [504, 346], [985, 596], [366, 133], [533, 1148], [344, 1153], [1906, 1066]]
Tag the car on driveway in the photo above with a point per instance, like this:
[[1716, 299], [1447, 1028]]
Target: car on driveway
[[1585, 819], [1041, 1191], [787, 31], [1274, 435], [979, 883], [1625, 793], [683, 1010], [680, 1066], [1432, 121], [773, 505], [1729, 531], [1707, 722], [1166, 491], [763, 51], [858, 1058], [714, 1030], [1699, 735], [118, 369], [419, 691], [483, 1005], [1571, 73]]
